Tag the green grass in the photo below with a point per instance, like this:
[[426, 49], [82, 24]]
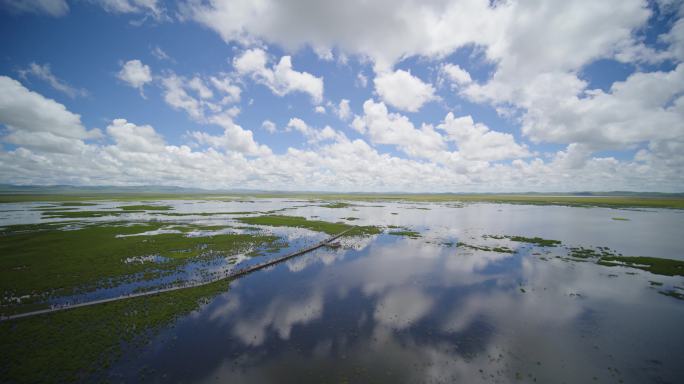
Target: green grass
[[337, 205], [302, 222], [620, 219], [672, 293], [538, 241], [145, 207], [655, 265], [83, 214], [411, 234], [76, 204], [601, 201], [76, 344], [47, 260], [485, 248]]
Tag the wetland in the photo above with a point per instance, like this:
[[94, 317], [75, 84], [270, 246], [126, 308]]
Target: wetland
[[417, 290]]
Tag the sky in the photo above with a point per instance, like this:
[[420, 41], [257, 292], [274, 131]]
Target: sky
[[312, 95]]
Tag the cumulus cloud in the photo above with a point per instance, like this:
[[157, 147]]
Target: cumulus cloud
[[234, 137], [383, 127], [149, 7], [280, 78], [135, 138], [160, 54], [135, 74], [537, 54], [456, 75], [343, 110], [43, 72], [54, 8], [313, 135], [477, 142], [560, 108], [230, 91], [403, 91], [269, 126], [27, 111]]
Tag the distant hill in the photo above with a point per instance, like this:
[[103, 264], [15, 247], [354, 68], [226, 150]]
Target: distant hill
[[9, 189]]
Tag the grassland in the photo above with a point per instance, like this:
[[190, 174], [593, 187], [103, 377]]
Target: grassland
[[40, 260], [485, 248], [612, 200], [654, 265], [314, 225], [75, 345], [538, 241], [407, 233]]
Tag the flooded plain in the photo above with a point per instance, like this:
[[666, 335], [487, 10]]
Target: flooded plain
[[445, 292]]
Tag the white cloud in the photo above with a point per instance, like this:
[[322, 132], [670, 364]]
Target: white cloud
[[477, 142], [44, 73], [455, 74], [230, 91], [281, 78], [319, 109], [23, 111], [54, 8], [176, 96], [560, 108], [343, 110], [160, 54], [403, 91], [150, 7], [202, 90], [234, 137], [136, 74], [537, 49], [361, 80], [269, 126], [383, 127], [135, 138], [313, 135]]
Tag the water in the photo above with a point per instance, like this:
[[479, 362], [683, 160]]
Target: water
[[394, 309]]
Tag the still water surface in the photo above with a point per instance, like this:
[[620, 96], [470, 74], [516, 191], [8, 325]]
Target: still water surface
[[396, 309]]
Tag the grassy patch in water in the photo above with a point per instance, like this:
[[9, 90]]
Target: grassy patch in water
[[76, 344], [350, 218], [658, 266], [589, 253], [620, 219], [302, 222], [76, 204], [337, 205], [83, 214], [672, 293], [145, 207], [538, 241], [180, 214], [50, 261], [485, 248], [407, 233]]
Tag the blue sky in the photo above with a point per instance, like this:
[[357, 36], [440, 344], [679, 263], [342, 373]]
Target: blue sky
[[442, 96]]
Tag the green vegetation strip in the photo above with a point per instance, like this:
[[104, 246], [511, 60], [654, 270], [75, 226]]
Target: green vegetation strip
[[44, 260], [538, 241], [654, 265], [314, 225], [145, 207], [485, 248], [75, 345], [411, 234]]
